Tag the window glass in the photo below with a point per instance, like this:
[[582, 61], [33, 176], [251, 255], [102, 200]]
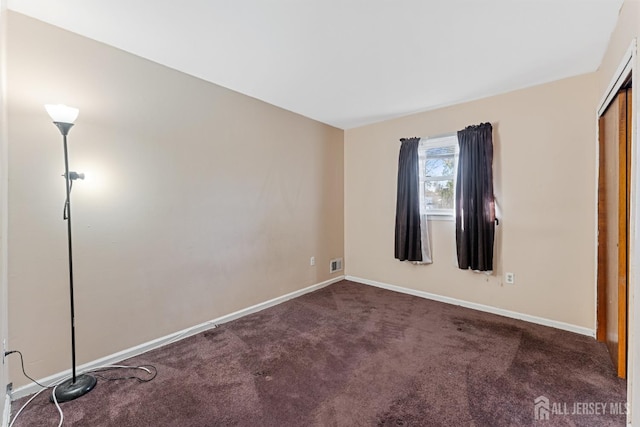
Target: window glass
[[438, 162]]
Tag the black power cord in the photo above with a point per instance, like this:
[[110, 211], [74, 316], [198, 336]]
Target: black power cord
[[65, 210], [6, 353], [149, 368]]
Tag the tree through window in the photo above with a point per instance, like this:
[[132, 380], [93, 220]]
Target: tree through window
[[438, 158]]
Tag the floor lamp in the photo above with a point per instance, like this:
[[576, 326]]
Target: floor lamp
[[78, 385]]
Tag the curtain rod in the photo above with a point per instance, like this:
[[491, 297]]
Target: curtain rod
[[442, 135]]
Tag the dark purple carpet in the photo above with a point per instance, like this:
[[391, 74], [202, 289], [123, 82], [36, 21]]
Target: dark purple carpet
[[354, 355]]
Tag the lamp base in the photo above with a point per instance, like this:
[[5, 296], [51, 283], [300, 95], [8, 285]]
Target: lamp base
[[70, 390]]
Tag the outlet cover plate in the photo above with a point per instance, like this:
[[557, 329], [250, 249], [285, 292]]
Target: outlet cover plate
[[509, 278]]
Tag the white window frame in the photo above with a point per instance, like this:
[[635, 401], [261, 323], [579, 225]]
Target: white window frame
[[447, 140]]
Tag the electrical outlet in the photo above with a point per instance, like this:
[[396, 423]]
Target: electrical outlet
[[509, 278], [312, 260]]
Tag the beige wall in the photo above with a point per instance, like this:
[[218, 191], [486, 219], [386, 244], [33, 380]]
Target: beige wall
[[3, 202], [628, 28], [199, 201], [544, 176]]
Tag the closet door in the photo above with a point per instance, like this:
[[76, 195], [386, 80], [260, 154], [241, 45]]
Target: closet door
[[613, 227]]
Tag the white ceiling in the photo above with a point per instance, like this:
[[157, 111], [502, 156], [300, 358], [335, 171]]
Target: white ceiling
[[351, 62]]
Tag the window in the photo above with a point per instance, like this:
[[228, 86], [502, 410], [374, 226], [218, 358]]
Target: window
[[438, 162]]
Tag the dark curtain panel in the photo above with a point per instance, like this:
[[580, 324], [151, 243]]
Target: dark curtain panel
[[408, 245], [475, 212]]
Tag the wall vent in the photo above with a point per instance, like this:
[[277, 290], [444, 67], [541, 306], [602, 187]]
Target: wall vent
[[335, 265]]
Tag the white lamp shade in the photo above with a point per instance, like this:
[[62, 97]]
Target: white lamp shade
[[61, 113]]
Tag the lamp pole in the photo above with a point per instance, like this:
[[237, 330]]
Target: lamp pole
[[64, 129], [63, 117]]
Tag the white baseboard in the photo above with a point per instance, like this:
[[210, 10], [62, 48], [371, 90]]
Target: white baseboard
[[6, 414], [176, 336], [480, 307]]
